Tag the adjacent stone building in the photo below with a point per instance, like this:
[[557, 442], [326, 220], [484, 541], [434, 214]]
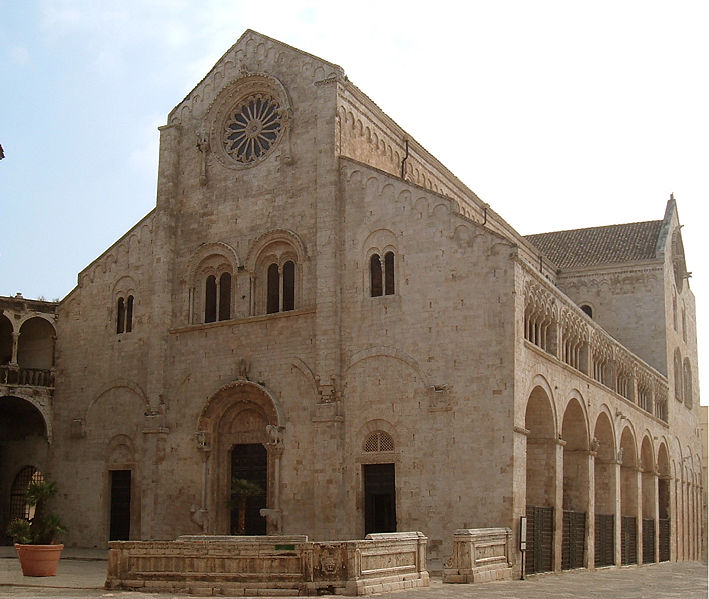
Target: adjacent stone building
[[317, 305]]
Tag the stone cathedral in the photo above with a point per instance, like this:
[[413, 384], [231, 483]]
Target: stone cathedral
[[318, 306]]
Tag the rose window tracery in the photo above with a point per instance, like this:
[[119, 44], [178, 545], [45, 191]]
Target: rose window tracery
[[252, 128]]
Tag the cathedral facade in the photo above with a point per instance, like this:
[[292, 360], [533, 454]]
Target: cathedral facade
[[318, 306]]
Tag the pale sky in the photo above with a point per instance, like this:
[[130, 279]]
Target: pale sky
[[560, 115]]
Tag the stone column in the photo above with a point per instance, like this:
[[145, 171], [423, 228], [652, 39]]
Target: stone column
[[15, 344], [618, 513], [639, 513], [558, 504], [656, 515], [591, 513], [677, 521], [152, 511]]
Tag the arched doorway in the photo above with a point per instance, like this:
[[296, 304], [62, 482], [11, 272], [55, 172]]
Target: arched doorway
[[23, 447], [540, 481], [628, 499], [575, 490], [663, 502], [604, 477], [241, 440]]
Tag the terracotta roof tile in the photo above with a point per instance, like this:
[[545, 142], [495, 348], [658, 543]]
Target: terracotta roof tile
[[599, 245]]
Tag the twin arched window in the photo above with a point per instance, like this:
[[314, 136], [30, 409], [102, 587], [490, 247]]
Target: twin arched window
[[217, 297], [381, 275], [280, 287], [124, 315]]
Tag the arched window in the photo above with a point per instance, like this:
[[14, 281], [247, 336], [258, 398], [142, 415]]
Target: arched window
[[687, 383], [129, 314], [288, 286], [389, 273], [272, 289], [217, 297], [210, 299], [678, 375], [121, 316], [381, 276], [375, 272], [587, 310], [124, 315], [225, 296], [674, 311], [280, 287]]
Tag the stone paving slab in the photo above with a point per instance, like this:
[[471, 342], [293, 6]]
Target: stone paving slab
[[83, 579]]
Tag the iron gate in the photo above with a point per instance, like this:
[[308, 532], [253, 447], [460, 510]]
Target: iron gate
[[628, 540], [648, 540], [664, 539], [605, 540], [540, 539], [573, 537]]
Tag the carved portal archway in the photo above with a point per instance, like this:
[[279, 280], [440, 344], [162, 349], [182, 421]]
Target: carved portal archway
[[240, 413]]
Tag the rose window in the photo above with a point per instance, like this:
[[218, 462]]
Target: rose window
[[252, 128]]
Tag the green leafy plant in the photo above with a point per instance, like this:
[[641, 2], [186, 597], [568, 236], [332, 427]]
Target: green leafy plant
[[241, 490], [43, 528]]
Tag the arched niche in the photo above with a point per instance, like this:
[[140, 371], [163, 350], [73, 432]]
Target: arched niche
[[35, 348]]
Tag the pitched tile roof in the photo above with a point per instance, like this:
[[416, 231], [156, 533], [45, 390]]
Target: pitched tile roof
[[599, 245]]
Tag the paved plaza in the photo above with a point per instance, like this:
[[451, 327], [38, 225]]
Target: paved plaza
[[83, 572]]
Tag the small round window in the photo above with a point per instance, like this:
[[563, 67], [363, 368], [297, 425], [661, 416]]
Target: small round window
[[252, 128]]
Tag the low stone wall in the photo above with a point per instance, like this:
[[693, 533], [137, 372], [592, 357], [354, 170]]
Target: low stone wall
[[479, 555], [269, 565]]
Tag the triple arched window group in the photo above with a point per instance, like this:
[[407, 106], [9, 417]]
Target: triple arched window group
[[271, 282]]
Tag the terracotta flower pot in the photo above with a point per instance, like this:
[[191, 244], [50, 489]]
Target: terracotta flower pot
[[39, 560]]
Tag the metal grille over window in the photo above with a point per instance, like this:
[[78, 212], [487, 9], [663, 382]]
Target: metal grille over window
[[252, 128], [379, 441], [19, 508]]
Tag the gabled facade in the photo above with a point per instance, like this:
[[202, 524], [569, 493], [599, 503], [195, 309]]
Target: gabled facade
[[319, 306]]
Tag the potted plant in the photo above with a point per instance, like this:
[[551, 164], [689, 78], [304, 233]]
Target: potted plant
[[36, 539], [241, 490]]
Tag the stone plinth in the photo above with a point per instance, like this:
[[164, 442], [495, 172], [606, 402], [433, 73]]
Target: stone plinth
[[479, 555]]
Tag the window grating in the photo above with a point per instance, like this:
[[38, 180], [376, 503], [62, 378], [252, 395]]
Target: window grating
[[379, 441], [18, 494]]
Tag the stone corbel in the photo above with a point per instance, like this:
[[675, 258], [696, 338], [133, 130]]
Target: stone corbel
[[78, 428], [203, 441], [243, 370], [275, 436], [327, 393], [200, 516]]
